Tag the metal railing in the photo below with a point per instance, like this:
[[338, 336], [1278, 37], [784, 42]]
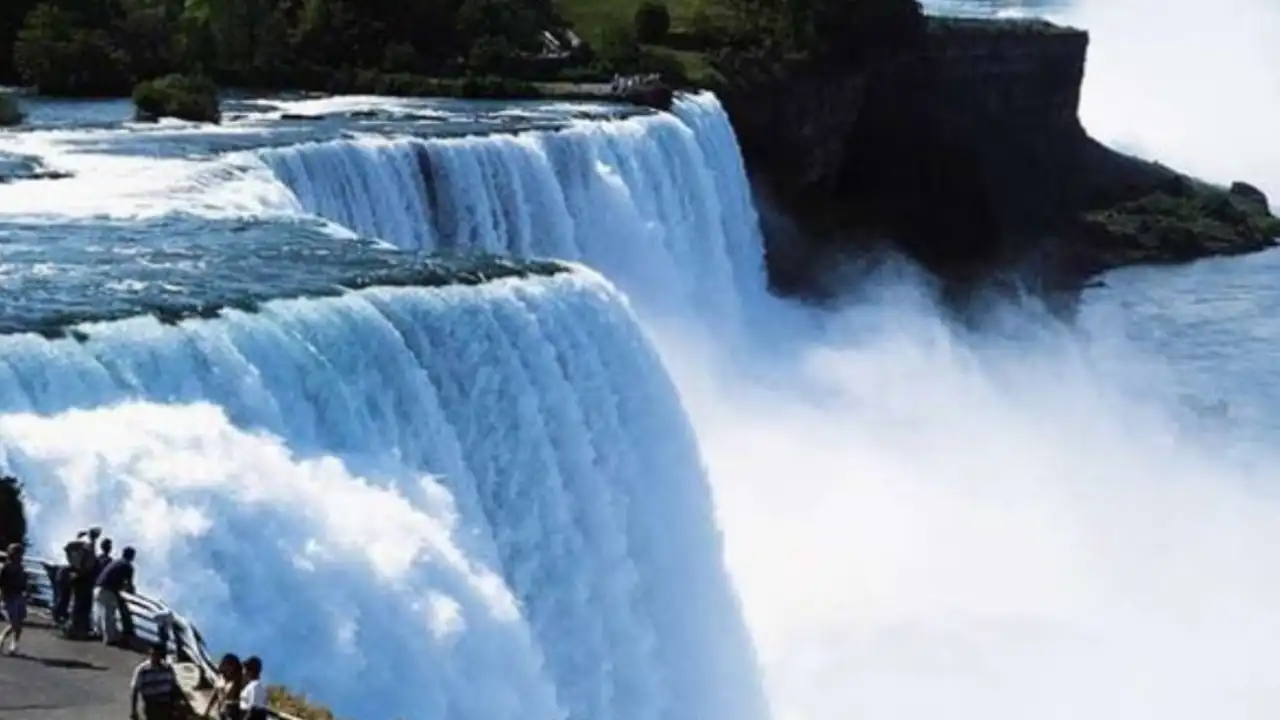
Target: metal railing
[[150, 616]]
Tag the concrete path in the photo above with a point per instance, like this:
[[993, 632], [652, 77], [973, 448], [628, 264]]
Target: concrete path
[[57, 679]]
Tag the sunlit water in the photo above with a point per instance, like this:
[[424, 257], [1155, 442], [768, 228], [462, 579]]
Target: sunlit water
[[514, 493]]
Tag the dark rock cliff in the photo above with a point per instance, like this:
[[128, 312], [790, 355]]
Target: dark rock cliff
[[967, 154]]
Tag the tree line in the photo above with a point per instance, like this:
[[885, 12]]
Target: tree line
[[105, 47]]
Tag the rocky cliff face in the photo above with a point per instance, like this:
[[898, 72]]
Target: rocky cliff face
[[967, 153]]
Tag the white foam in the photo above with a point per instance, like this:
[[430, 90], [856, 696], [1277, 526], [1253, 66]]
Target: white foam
[[496, 480]]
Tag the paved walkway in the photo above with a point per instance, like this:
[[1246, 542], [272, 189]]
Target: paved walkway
[[57, 679]]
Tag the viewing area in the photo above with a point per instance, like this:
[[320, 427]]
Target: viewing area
[[54, 678]]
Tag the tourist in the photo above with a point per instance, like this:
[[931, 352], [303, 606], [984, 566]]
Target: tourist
[[253, 698], [116, 578], [104, 557], [226, 696], [81, 557], [100, 563], [13, 593], [156, 684], [63, 577]]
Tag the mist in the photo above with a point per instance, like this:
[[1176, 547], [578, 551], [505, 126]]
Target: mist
[[1024, 520], [1010, 523], [1194, 85]]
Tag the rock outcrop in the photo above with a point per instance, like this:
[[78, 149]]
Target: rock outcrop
[[967, 153]]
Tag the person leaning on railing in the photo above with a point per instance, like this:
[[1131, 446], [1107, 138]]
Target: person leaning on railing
[[116, 578]]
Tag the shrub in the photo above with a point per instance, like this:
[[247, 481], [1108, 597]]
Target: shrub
[[59, 58], [10, 111], [281, 699], [619, 47], [703, 28], [180, 96], [652, 22], [399, 58], [491, 54], [13, 516]]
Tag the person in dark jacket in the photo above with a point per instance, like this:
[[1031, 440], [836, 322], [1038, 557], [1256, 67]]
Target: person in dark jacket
[[13, 593], [82, 557], [117, 577], [63, 577]]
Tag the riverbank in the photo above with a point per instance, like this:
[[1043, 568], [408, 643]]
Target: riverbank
[[967, 154], [957, 143]]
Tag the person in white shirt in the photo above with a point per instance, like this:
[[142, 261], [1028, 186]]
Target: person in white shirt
[[253, 698]]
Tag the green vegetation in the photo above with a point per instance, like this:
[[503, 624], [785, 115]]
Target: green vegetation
[[13, 516], [178, 96], [469, 48], [10, 112], [282, 699], [1187, 222], [652, 22]]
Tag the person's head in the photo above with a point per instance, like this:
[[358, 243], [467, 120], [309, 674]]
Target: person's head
[[106, 546], [157, 653], [253, 667], [82, 534], [229, 667], [14, 551], [94, 533], [128, 554]]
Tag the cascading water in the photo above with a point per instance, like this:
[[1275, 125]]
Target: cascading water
[[539, 537], [466, 502], [658, 203], [486, 502]]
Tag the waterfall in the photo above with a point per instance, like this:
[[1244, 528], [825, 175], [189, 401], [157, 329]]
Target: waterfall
[[467, 502]]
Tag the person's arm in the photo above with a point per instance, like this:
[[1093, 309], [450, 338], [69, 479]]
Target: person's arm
[[127, 585], [135, 689], [213, 700]]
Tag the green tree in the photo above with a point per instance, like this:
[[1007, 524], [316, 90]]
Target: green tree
[[491, 55], [13, 516], [12, 15], [61, 58], [145, 35], [499, 18], [652, 22], [619, 48]]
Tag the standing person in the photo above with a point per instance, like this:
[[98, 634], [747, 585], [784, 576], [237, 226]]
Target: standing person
[[13, 592], [64, 576], [155, 683], [100, 563], [83, 560], [116, 578], [253, 698], [104, 557]]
